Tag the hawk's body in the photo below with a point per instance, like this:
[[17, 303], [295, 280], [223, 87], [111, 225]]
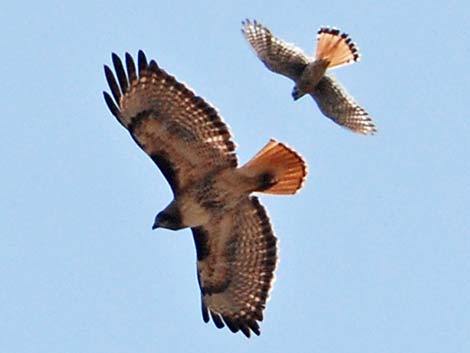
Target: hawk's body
[[334, 49], [186, 138]]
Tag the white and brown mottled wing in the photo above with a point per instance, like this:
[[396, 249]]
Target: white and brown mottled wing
[[339, 106], [278, 56], [181, 132], [237, 256]]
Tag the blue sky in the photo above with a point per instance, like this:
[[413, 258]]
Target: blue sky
[[374, 250]]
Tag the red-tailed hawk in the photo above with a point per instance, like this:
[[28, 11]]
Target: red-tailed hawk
[[334, 49], [192, 146]]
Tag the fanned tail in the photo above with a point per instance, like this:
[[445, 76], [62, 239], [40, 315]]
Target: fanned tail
[[276, 169], [335, 48]]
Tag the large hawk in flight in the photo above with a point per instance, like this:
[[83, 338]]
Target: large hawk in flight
[[334, 49], [187, 139]]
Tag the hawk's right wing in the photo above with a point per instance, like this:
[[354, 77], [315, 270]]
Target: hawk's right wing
[[236, 259], [182, 133], [278, 56], [339, 106]]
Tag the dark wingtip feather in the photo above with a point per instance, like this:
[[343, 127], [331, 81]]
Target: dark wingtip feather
[[205, 313], [112, 84], [247, 22], [246, 331], [253, 325], [141, 61], [130, 65], [121, 74], [110, 103], [153, 66], [217, 320], [231, 324]]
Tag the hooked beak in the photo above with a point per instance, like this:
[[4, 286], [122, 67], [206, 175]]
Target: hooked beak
[[156, 224]]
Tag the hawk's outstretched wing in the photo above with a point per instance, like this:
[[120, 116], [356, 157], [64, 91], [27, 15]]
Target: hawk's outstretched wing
[[339, 106], [278, 56], [237, 256], [180, 131]]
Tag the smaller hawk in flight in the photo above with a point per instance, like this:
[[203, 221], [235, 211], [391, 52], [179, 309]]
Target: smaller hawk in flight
[[334, 49], [185, 137]]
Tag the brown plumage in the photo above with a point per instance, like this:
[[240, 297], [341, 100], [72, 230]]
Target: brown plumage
[[334, 49], [187, 139]]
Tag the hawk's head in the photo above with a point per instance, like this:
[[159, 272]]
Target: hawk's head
[[297, 93], [168, 219]]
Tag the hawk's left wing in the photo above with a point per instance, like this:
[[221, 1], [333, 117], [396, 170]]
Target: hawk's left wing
[[237, 256], [278, 56], [339, 106]]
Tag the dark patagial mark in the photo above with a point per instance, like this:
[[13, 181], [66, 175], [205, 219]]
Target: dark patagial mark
[[200, 241], [167, 168]]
